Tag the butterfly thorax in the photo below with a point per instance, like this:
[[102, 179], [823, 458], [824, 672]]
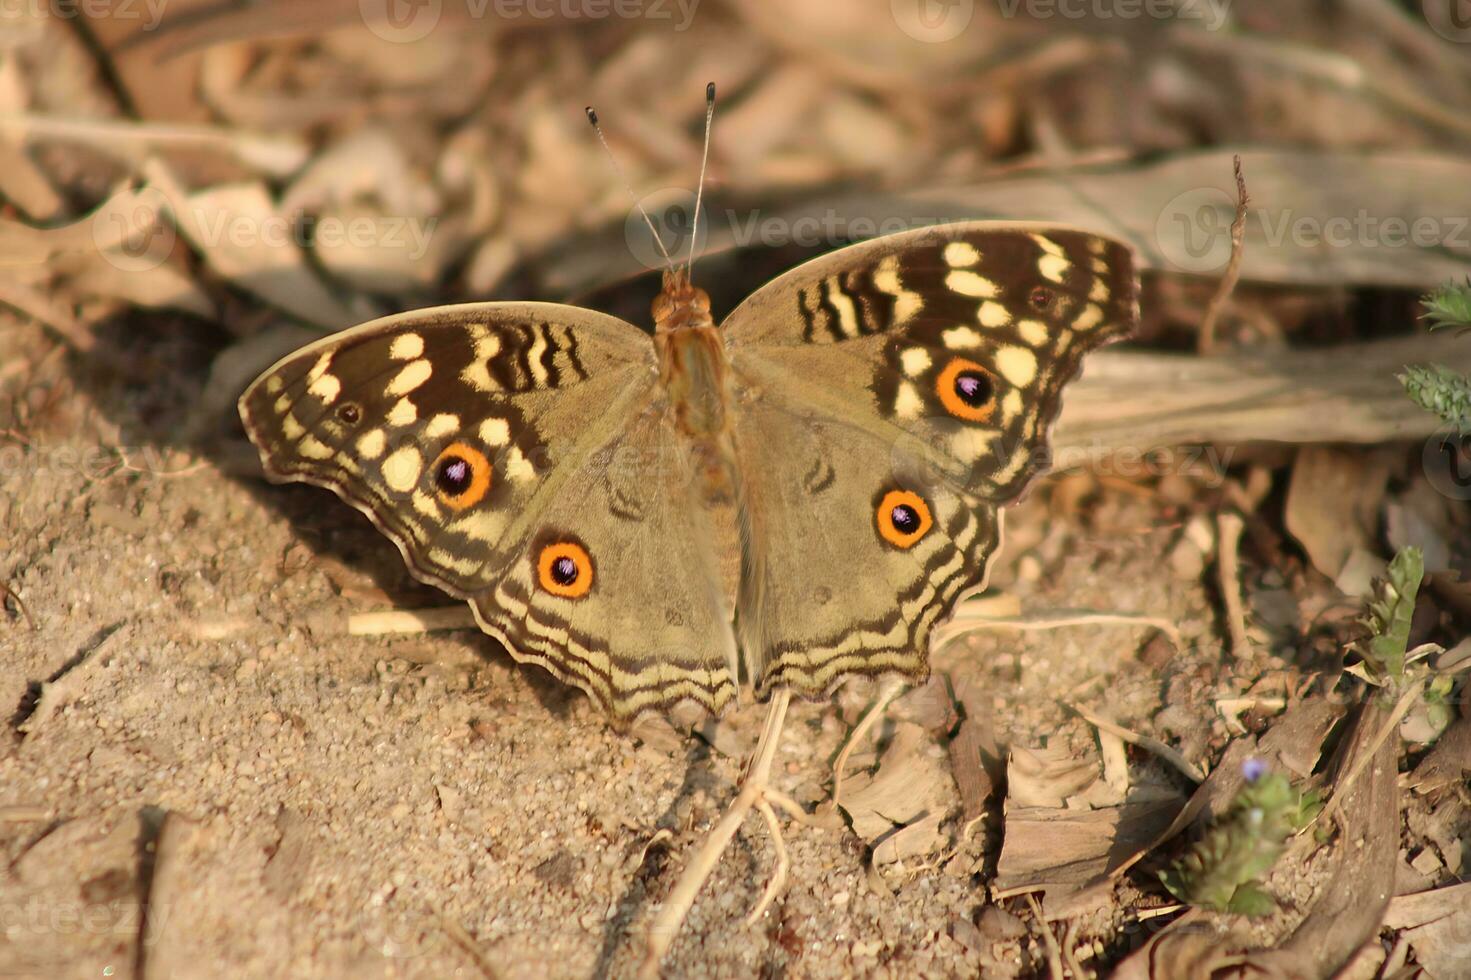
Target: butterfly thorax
[[691, 357]]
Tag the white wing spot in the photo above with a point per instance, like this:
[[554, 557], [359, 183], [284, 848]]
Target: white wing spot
[[843, 303], [320, 368], [403, 412], [406, 347], [1047, 245], [1091, 317], [1011, 406], [372, 444], [1017, 365], [1099, 293], [1053, 267], [960, 338], [411, 377], [1034, 332], [313, 448], [915, 360], [425, 505], [886, 279], [993, 314], [327, 388], [533, 356], [969, 283], [442, 425], [274, 384], [518, 467], [495, 432], [907, 403], [292, 428], [401, 470], [971, 443], [958, 255]]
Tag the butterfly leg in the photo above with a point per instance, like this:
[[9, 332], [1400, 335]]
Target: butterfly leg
[[888, 691], [753, 794]]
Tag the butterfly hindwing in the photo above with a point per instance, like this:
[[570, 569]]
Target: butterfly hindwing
[[934, 361], [488, 440], [833, 585]]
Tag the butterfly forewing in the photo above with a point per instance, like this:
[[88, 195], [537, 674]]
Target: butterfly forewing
[[956, 340]]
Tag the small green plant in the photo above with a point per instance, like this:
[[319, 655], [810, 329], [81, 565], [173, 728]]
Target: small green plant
[[1449, 306], [1223, 870], [1438, 389], [1388, 621]]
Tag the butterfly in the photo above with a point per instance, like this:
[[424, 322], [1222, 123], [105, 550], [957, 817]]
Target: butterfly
[[788, 499]]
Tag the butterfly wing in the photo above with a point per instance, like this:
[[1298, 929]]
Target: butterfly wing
[[517, 454], [891, 397]]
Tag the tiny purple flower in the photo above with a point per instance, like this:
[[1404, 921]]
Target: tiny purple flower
[[1254, 769]]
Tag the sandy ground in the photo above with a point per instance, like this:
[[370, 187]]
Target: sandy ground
[[291, 800]]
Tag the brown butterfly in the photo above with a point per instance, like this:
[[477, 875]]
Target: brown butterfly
[[789, 498]]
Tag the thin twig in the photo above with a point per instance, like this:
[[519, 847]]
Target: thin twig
[[783, 864], [887, 692], [6, 592], [1229, 526], [1184, 765], [1054, 951], [682, 898], [410, 620], [1046, 619], [1227, 284]]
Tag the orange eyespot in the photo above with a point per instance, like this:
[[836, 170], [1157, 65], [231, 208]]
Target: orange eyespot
[[903, 518], [461, 476], [564, 569], [967, 390]]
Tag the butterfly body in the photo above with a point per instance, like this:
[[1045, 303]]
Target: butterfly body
[[790, 498]]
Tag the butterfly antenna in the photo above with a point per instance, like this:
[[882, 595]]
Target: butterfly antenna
[[700, 187], [592, 117]]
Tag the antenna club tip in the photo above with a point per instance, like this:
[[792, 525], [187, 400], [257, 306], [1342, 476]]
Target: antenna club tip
[[592, 115], [710, 91]]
